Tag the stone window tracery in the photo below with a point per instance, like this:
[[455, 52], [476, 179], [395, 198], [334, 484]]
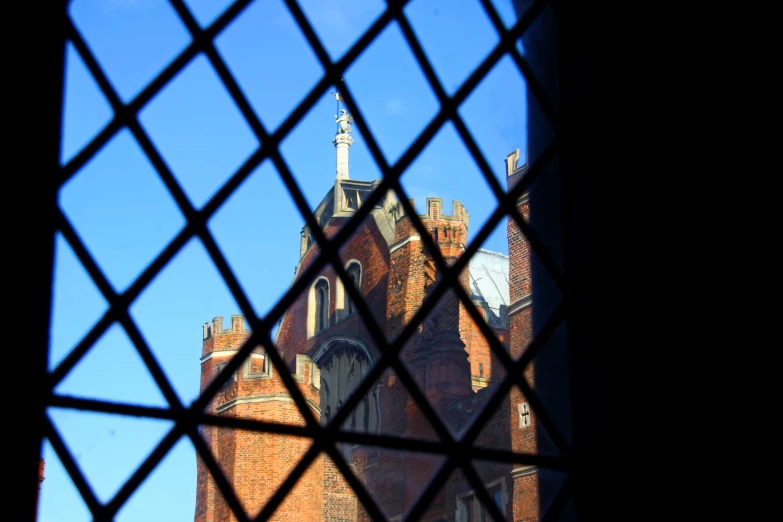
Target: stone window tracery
[[343, 368]]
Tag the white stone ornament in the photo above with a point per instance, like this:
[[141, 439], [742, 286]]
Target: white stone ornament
[[342, 142], [344, 121], [524, 415]]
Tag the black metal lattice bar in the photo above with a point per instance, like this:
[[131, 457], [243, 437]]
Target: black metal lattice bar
[[530, 79], [409, 444], [222, 195], [324, 438], [70, 465], [124, 317], [375, 150], [146, 467]]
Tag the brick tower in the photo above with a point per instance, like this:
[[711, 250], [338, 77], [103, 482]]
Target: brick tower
[[328, 348], [522, 422], [255, 463]]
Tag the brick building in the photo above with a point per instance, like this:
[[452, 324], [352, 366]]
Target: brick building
[[41, 467], [329, 351]]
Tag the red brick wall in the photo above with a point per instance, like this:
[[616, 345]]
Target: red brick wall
[[369, 248], [339, 501], [445, 374], [525, 497], [255, 463], [480, 352], [210, 506], [394, 286]]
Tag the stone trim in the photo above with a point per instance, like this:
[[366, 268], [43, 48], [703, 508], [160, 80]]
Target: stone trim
[[221, 353], [312, 320], [492, 253], [512, 162], [215, 329], [481, 382], [341, 295], [525, 421], [249, 375], [272, 397], [520, 304], [381, 218], [434, 207], [324, 348], [514, 169], [385, 224], [402, 243], [523, 471], [315, 372], [218, 353]]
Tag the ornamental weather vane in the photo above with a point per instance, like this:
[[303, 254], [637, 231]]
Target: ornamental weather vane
[[344, 119], [342, 139]]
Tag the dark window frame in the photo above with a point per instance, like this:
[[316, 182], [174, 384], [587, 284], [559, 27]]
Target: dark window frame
[[354, 271], [321, 306]]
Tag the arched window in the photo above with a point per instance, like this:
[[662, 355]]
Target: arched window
[[321, 305], [321, 308], [355, 275], [318, 307], [343, 367]]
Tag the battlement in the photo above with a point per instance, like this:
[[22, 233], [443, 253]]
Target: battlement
[[512, 163], [449, 231], [435, 211], [236, 326]]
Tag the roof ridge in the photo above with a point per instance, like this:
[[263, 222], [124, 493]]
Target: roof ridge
[[485, 251]]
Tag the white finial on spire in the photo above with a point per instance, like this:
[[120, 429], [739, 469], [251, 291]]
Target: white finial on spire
[[344, 122], [342, 139]]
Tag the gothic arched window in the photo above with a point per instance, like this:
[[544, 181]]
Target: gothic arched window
[[318, 308], [322, 306], [355, 275], [342, 370]]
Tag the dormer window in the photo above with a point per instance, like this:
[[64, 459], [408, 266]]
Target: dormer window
[[352, 199]]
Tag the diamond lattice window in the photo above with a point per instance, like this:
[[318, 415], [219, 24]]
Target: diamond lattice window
[[387, 402]]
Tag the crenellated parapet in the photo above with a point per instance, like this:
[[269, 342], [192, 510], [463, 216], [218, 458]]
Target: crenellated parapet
[[435, 211], [237, 325], [448, 230], [216, 338], [256, 376], [256, 380]]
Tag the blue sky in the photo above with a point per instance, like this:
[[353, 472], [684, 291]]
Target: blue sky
[[125, 215]]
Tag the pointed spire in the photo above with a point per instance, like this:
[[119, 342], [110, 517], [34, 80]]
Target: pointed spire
[[342, 139]]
